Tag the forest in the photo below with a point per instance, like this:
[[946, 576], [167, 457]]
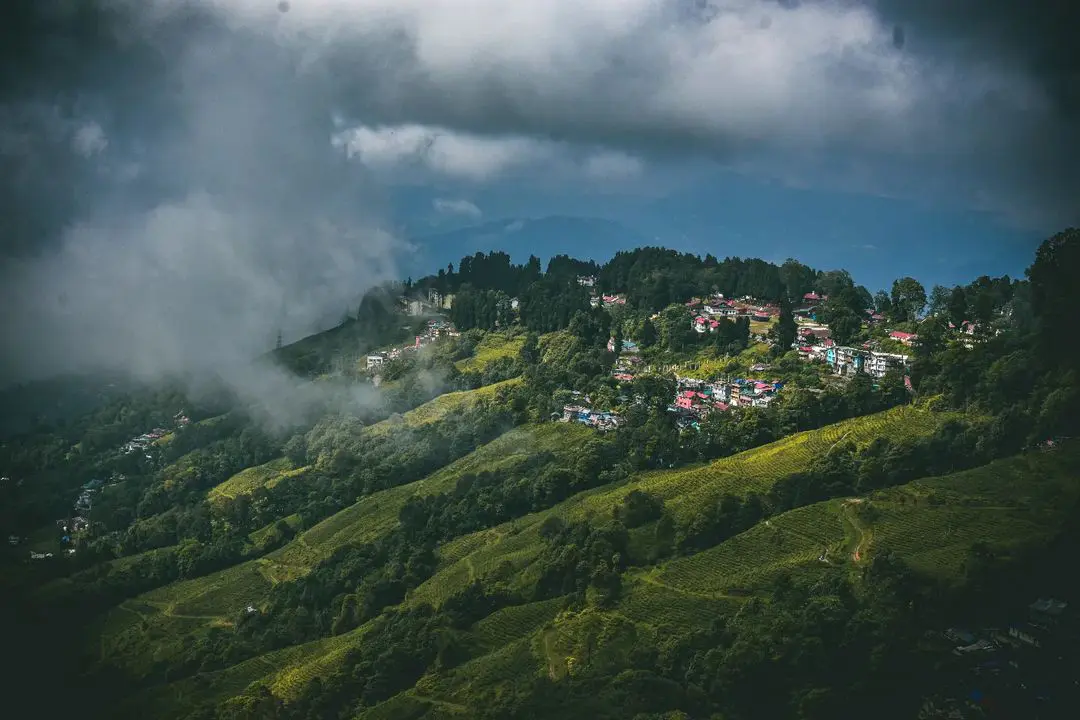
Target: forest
[[454, 550]]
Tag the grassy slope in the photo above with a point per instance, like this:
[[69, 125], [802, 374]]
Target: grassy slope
[[442, 407], [516, 544], [931, 523], [682, 490], [494, 346], [214, 599], [247, 481]]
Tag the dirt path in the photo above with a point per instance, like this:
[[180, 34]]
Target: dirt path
[[862, 534]]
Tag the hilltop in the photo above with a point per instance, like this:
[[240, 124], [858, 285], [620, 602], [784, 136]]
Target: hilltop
[[666, 486]]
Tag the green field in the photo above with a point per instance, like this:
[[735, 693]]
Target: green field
[[683, 491], [931, 523], [247, 481], [217, 598], [442, 407], [494, 346]]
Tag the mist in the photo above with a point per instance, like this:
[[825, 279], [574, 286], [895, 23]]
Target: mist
[[217, 215]]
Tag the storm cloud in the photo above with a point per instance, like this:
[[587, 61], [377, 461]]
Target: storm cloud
[[184, 177]]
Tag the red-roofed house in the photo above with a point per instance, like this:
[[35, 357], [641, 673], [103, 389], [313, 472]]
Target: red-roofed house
[[905, 338]]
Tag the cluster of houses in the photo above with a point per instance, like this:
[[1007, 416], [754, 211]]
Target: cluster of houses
[[695, 399], [1018, 671], [598, 419], [141, 442], [599, 300], [708, 312], [435, 329]]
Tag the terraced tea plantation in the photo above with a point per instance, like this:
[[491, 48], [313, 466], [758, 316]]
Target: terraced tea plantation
[[492, 347]]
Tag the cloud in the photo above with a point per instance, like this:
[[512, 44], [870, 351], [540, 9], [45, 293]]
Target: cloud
[[458, 155], [89, 140], [613, 166], [239, 118], [818, 84], [457, 207], [243, 221]]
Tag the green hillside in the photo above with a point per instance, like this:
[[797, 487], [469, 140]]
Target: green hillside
[[491, 348], [246, 481], [472, 556], [215, 599], [683, 593], [443, 407], [981, 505]]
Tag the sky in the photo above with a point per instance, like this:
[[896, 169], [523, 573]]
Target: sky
[[182, 178]]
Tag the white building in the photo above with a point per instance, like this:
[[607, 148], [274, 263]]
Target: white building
[[878, 363], [375, 360]]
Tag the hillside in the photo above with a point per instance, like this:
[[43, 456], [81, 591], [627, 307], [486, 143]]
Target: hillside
[[520, 523], [932, 523], [503, 553]]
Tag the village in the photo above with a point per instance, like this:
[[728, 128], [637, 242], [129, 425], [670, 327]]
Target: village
[[436, 328], [70, 528], [1001, 672]]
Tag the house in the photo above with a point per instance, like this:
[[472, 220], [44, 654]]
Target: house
[[622, 377], [628, 346], [903, 337], [813, 297], [703, 324], [1047, 612], [378, 359], [879, 363], [1026, 635], [586, 281], [845, 360]]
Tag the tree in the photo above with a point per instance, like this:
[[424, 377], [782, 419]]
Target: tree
[[648, 333], [908, 299], [882, 302], [844, 325], [785, 330], [675, 327], [957, 307], [1055, 293], [939, 300], [617, 339], [530, 351]]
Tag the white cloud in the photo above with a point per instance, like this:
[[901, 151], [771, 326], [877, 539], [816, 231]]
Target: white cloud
[[460, 155], [89, 139], [457, 207]]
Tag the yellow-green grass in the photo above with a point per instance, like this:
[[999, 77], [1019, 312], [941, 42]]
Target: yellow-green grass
[[748, 561], [258, 537], [930, 523], [248, 481], [221, 595], [442, 407], [1007, 504], [492, 347], [513, 623], [177, 699], [512, 546]]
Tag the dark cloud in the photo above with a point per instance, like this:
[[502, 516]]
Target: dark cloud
[[181, 200], [179, 153]]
